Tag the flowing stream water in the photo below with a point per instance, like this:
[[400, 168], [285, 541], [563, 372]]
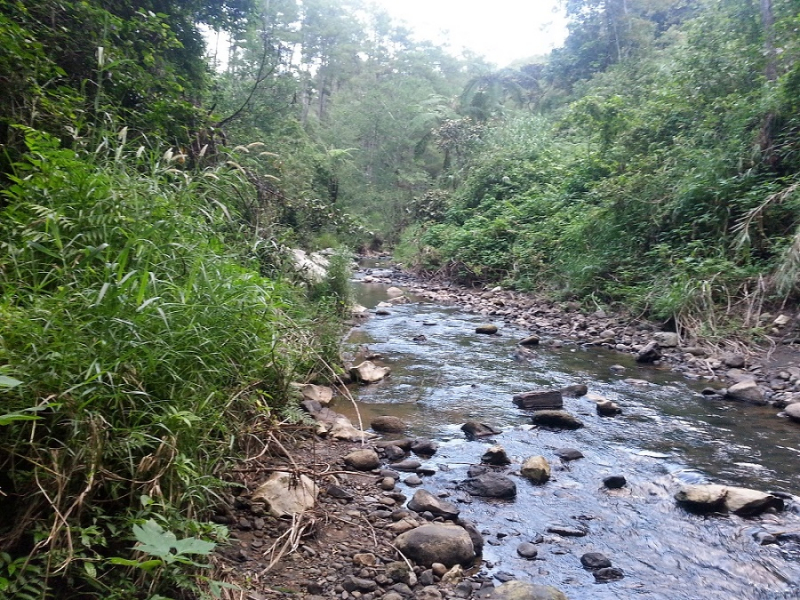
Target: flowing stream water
[[667, 435]]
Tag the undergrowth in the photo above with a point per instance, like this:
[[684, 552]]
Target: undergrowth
[[139, 345]]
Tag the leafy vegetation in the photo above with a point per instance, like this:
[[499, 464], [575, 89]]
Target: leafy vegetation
[[664, 178], [149, 321]]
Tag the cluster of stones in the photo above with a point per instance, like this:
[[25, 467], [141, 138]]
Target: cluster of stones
[[730, 375]]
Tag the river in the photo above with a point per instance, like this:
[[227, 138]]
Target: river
[[668, 434]]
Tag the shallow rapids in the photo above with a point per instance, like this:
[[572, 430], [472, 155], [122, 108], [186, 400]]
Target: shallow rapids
[[443, 374]]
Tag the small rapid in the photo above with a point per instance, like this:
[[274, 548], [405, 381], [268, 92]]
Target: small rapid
[[443, 375]]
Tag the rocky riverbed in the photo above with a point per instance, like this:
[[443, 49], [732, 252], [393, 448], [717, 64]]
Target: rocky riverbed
[[565, 506], [768, 374]]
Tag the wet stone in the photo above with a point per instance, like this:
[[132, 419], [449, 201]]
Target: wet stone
[[595, 560], [473, 429], [527, 550], [568, 530], [608, 574], [409, 464], [413, 480], [496, 456], [568, 454], [556, 419], [614, 482]]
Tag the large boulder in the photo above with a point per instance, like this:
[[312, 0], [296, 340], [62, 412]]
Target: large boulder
[[490, 485], [741, 501], [447, 544], [369, 372], [287, 494], [424, 501], [536, 470], [522, 590], [747, 391], [539, 399], [556, 419]]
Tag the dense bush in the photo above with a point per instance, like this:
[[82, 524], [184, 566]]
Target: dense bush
[[148, 348]]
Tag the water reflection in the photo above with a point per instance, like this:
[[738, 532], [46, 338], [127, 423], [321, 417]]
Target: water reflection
[[668, 434]]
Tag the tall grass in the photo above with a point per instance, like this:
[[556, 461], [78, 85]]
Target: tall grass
[[147, 345]]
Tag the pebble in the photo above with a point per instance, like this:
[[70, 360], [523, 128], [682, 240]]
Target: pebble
[[527, 550], [614, 482]]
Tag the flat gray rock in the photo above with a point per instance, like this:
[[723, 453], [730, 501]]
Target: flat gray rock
[[490, 485], [424, 501], [447, 544]]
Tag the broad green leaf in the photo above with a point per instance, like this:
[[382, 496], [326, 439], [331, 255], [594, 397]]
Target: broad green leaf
[[9, 382]]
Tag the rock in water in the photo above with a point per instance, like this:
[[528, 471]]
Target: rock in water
[[531, 340], [369, 372], [496, 456], [608, 574], [595, 560], [490, 485], [568, 454], [473, 429], [536, 469], [556, 419], [446, 544], [541, 399], [285, 494], [527, 550], [424, 447], [388, 424], [486, 329], [702, 498], [607, 408], [615, 482], [522, 590], [746, 502], [741, 501], [394, 292], [424, 501], [575, 390]]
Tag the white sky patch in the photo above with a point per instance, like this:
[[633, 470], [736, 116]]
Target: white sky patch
[[500, 30]]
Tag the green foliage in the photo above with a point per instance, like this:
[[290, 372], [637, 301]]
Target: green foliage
[[667, 183], [146, 344]]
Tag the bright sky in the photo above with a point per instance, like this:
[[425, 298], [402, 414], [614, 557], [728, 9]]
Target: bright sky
[[501, 30]]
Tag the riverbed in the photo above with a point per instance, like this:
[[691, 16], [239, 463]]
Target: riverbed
[[444, 374]]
